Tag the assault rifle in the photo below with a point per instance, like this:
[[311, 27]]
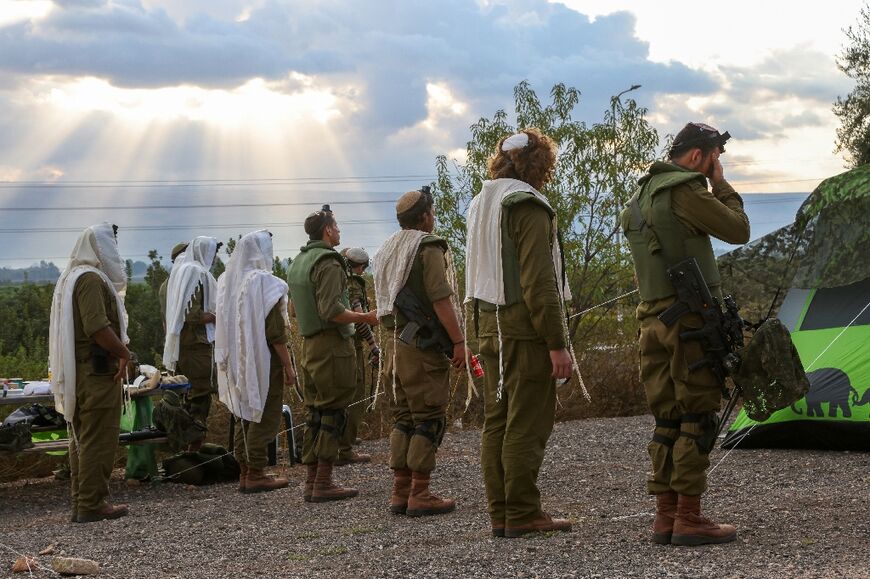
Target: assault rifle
[[422, 325], [721, 333]]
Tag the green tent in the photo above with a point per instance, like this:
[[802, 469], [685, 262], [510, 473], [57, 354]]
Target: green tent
[[823, 261]]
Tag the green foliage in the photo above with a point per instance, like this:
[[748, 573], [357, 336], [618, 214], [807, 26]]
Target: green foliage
[[25, 313], [597, 169], [853, 135]]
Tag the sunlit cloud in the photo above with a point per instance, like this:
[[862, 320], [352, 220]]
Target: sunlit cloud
[[15, 11], [256, 102]]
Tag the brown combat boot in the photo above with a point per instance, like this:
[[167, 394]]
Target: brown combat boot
[[692, 528], [354, 458], [423, 503], [666, 510], [309, 482], [543, 523], [106, 512], [401, 490], [257, 481], [324, 489], [243, 474]]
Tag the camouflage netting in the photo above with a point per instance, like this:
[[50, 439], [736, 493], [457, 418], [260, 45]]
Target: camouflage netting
[[828, 245]]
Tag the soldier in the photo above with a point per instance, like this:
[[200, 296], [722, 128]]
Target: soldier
[[516, 278], [88, 333], [177, 250], [414, 259], [189, 322], [670, 218], [358, 261], [251, 336], [319, 289]]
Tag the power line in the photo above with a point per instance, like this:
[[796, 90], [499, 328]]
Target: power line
[[199, 227], [138, 184], [194, 206]]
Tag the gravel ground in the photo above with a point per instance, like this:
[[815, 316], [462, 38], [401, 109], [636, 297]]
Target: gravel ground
[[798, 514]]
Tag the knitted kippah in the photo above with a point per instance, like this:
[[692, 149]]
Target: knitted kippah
[[407, 201], [356, 255]]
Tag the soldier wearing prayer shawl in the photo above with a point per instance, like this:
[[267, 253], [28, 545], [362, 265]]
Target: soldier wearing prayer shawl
[[189, 322], [88, 355], [514, 272], [177, 250], [318, 285], [415, 259], [251, 335]]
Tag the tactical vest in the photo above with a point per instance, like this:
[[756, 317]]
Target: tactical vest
[[510, 260], [658, 240], [302, 290], [415, 277]]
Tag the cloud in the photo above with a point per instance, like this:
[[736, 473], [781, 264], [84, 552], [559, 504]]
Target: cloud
[[389, 50]]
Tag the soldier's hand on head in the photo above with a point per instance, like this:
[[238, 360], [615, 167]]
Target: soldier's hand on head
[[561, 361], [716, 174]]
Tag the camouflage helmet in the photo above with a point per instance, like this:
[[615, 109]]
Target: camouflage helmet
[[771, 374]]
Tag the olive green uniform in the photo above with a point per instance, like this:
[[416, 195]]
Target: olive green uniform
[[422, 377], [517, 427], [252, 438], [356, 292], [682, 401], [318, 287], [96, 422], [195, 359]]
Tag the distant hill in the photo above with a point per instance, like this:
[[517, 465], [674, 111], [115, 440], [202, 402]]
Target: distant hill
[[48, 272]]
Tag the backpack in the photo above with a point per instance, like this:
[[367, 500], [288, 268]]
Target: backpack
[[211, 464], [181, 428]]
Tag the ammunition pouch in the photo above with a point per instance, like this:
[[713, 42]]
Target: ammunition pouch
[[432, 429], [709, 423]]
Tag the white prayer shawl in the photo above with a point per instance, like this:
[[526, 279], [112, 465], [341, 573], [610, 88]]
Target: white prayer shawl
[[247, 292], [484, 276], [95, 251], [191, 269], [392, 266]]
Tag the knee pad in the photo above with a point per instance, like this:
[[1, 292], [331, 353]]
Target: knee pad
[[339, 416], [405, 428], [708, 423], [313, 421], [432, 429], [665, 424]]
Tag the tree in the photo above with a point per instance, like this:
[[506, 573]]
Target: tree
[[156, 274], [594, 177], [853, 135]]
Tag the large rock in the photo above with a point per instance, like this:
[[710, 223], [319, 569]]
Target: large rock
[[71, 566]]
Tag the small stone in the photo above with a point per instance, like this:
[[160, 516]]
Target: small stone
[[133, 482], [72, 566], [24, 564], [48, 550]]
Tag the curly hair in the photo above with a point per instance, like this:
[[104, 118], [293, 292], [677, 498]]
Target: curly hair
[[533, 163]]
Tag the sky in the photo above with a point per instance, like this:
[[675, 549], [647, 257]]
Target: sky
[[218, 117]]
